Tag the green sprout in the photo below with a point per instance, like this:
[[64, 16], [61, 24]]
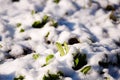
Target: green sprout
[[49, 57], [79, 61], [18, 24], [85, 69], [45, 19], [56, 1], [35, 56], [22, 30], [54, 23], [66, 47], [46, 36], [76, 61], [53, 76], [33, 12], [40, 24], [19, 78], [62, 49], [37, 24]]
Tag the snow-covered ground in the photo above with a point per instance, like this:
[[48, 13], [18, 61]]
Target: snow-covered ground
[[59, 39]]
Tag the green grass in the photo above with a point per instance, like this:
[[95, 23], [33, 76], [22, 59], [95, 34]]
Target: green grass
[[40, 24], [35, 56], [22, 30], [51, 76], [19, 78], [85, 69], [46, 36], [49, 57], [79, 61], [62, 49], [54, 23], [66, 47]]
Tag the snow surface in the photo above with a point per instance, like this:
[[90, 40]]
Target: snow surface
[[88, 21]]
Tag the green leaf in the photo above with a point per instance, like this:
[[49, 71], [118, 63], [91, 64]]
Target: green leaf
[[56, 1], [60, 49], [47, 35], [36, 56], [85, 69], [45, 19], [46, 38], [18, 24], [66, 47], [37, 24], [52, 76], [76, 61], [48, 58], [19, 78], [33, 12], [22, 30], [44, 65], [79, 60], [55, 24]]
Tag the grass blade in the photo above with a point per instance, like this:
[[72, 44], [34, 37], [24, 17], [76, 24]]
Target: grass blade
[[60, 49], [48, 58], [66, 47], [85, 69]]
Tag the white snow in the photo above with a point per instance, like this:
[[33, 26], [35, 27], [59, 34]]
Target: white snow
[[88, 22]]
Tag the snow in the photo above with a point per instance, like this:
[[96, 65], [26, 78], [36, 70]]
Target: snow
[[16, 50], [87, 21]]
